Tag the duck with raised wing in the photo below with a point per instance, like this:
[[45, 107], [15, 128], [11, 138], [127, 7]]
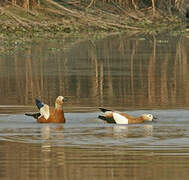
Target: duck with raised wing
[[122, 118], [49, 114]]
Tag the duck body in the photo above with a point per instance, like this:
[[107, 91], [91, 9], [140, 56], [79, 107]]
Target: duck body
[[55, 116], [49, 114], [123, 118]]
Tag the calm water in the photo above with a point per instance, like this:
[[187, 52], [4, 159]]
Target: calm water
[[136, 74]]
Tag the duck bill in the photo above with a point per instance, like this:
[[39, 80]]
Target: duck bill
[[154, 119], [64, 99]]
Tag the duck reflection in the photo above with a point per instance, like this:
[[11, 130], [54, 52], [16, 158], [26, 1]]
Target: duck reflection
[[48, 131], [51, 135], [126, 131], [50, 155], [45, 132]]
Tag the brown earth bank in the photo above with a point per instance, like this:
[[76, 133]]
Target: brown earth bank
[[39, 16]]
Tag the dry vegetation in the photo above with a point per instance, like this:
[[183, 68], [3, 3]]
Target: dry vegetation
[[84, 15]]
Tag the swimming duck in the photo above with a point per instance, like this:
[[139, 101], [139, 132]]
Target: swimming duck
[[49, 114], [123, 118]]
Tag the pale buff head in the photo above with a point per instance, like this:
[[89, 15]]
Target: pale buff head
[[60, 100], [147, 117]]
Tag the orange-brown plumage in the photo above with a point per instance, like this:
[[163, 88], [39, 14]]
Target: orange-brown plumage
[[56, 116], [132, 119]]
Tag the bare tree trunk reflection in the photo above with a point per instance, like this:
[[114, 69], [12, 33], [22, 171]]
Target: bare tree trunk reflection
[[151, 73], [115, 71]]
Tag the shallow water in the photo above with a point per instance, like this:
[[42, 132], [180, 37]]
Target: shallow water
[[137, 74], [87, 147]]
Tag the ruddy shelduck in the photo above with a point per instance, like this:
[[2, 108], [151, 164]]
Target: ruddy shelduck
[[122, 118], [49, 114]]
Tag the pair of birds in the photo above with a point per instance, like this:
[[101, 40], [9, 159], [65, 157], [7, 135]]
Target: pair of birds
[[55, 114]]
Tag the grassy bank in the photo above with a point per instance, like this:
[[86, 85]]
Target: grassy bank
[[22, 21], [44, 16]]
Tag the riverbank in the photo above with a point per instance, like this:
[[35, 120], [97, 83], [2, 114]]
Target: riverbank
[[52, 17], [52, 20]]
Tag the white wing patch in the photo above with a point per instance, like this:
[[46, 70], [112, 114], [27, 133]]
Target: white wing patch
[[44, 111], [119, 119]]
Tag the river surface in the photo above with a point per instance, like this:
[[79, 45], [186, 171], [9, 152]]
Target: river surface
[[135, 74]]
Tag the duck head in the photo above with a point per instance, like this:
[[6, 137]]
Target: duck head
[[148, 117], [59, 101]]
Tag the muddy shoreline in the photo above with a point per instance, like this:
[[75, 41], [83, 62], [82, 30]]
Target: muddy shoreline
[[50, 20]]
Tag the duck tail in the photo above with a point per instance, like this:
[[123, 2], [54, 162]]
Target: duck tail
[[104, 110], [35, 115]]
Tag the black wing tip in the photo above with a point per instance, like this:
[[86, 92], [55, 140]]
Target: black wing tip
[[102, 117], [104, 110], [108, 120], [35, 115], [27, 114]]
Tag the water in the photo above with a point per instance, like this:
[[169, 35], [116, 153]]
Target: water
[[137, 74]]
